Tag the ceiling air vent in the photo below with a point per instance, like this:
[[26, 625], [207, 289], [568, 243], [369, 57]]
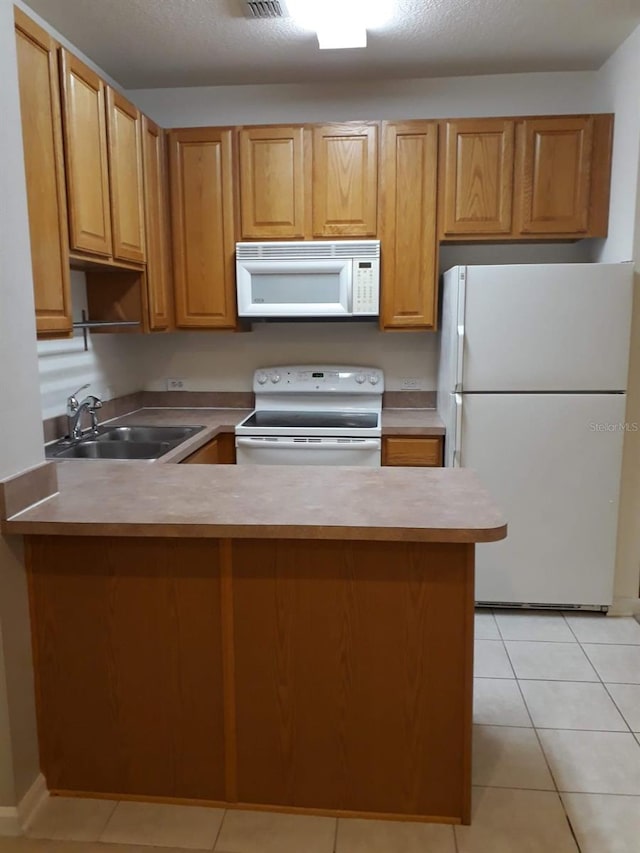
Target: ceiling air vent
[[265, 8]]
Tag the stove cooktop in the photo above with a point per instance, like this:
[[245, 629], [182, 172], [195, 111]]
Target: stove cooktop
[[310, 419]]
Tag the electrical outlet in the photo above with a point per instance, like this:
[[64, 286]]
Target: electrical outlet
[[410, 383], [176, 384]]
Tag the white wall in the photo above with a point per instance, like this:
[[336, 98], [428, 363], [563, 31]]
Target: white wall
[[226, 361], [507, 94], [112, 365], [21, 445]]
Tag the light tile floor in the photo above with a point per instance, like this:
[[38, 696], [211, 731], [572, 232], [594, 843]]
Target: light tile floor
[[556, 764]]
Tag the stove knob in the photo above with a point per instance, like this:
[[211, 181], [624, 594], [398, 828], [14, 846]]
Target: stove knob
[[275, 378], [374, 379], [261, 378], [360, 378]]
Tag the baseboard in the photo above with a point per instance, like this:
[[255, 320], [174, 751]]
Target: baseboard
[[32, 800], [624, 606], [9, 823], [13, 819]]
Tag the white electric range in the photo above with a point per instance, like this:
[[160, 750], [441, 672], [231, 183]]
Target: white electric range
[[313, 415]]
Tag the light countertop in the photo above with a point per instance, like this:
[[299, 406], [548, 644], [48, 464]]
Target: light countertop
[[99, 498], [125, 498]]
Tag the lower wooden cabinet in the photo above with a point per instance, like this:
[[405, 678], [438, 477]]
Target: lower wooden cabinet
[[220, 451], [414, 451], [286, 674]]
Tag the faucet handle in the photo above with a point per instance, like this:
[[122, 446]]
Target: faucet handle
[[72, 400]]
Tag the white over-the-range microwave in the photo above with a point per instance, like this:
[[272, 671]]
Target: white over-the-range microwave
[[318, 278]]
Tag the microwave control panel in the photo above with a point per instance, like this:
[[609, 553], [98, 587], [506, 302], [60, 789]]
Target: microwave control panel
[[366, 286]]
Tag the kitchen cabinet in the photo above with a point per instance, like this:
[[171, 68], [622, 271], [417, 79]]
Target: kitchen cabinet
[[103, 151], [126, 179], [219, 451], [408, 179], [345, 179], [306, 181], [415, 451], [554, 172], [202, 175], [156, 196], [85, 145], [477, 182], [272, 182], [525, 178], [45, 181]]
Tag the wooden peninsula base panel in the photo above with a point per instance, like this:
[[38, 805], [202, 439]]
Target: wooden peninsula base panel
[[317, 676]]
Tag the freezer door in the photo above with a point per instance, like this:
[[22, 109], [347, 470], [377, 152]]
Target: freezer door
[[547, 327], [552, 463]]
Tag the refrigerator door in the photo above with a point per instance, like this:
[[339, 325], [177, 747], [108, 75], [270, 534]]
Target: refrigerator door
[[552, 463], [547, 327]]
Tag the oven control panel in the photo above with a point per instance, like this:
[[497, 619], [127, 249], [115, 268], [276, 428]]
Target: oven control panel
[[309, 379]]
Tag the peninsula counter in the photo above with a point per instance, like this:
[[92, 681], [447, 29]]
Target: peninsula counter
[[290, 638]]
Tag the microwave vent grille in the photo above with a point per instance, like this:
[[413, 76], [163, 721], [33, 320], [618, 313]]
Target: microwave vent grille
[[293, 251]]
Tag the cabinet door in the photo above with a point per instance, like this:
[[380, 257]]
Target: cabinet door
[[414, 451], [201, 168], [477, 177], [156, 194], [408, 224], [44, 168], [554, 174], [126, 178], [85, 143], [345, 180], [219, 451], [272, 182]]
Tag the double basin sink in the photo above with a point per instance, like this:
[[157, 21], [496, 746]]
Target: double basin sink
[[122, 442]]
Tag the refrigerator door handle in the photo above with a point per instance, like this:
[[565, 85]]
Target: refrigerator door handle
[[460, 357], [457, 450]]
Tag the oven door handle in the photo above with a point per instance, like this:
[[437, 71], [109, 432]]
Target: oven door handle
[[323, 444]]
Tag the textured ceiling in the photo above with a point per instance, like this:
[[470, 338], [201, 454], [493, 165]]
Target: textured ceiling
[[166, 43]]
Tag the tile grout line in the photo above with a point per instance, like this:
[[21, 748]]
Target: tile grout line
[[544, 755], [217, 838], [335, 837], [602, 682], [546, 759]]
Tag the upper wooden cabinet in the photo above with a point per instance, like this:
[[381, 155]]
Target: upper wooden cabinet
[[555, 171], [477, 182], [85, 138], [103, 151], [345, 180], [124, 134], [272, 182], [525, 178], [201, 166], [408, 186], [160, 307], [44, 168]]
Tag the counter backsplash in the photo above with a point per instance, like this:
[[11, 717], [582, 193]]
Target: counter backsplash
[[56, 427]]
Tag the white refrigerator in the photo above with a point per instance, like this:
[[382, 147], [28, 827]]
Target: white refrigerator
[[531, 387]]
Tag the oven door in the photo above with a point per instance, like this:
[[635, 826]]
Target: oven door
[[280, 450], [294, 288]]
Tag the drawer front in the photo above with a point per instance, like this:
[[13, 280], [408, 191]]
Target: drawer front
[[418, 452]]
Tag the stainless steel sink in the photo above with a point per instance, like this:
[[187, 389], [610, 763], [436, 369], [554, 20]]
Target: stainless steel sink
[[96, 449], [122, 442], [148, 433]]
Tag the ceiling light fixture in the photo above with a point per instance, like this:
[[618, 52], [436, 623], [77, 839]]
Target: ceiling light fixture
[[341, 23]]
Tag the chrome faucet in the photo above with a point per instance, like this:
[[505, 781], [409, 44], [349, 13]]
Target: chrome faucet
[[90, 404]]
